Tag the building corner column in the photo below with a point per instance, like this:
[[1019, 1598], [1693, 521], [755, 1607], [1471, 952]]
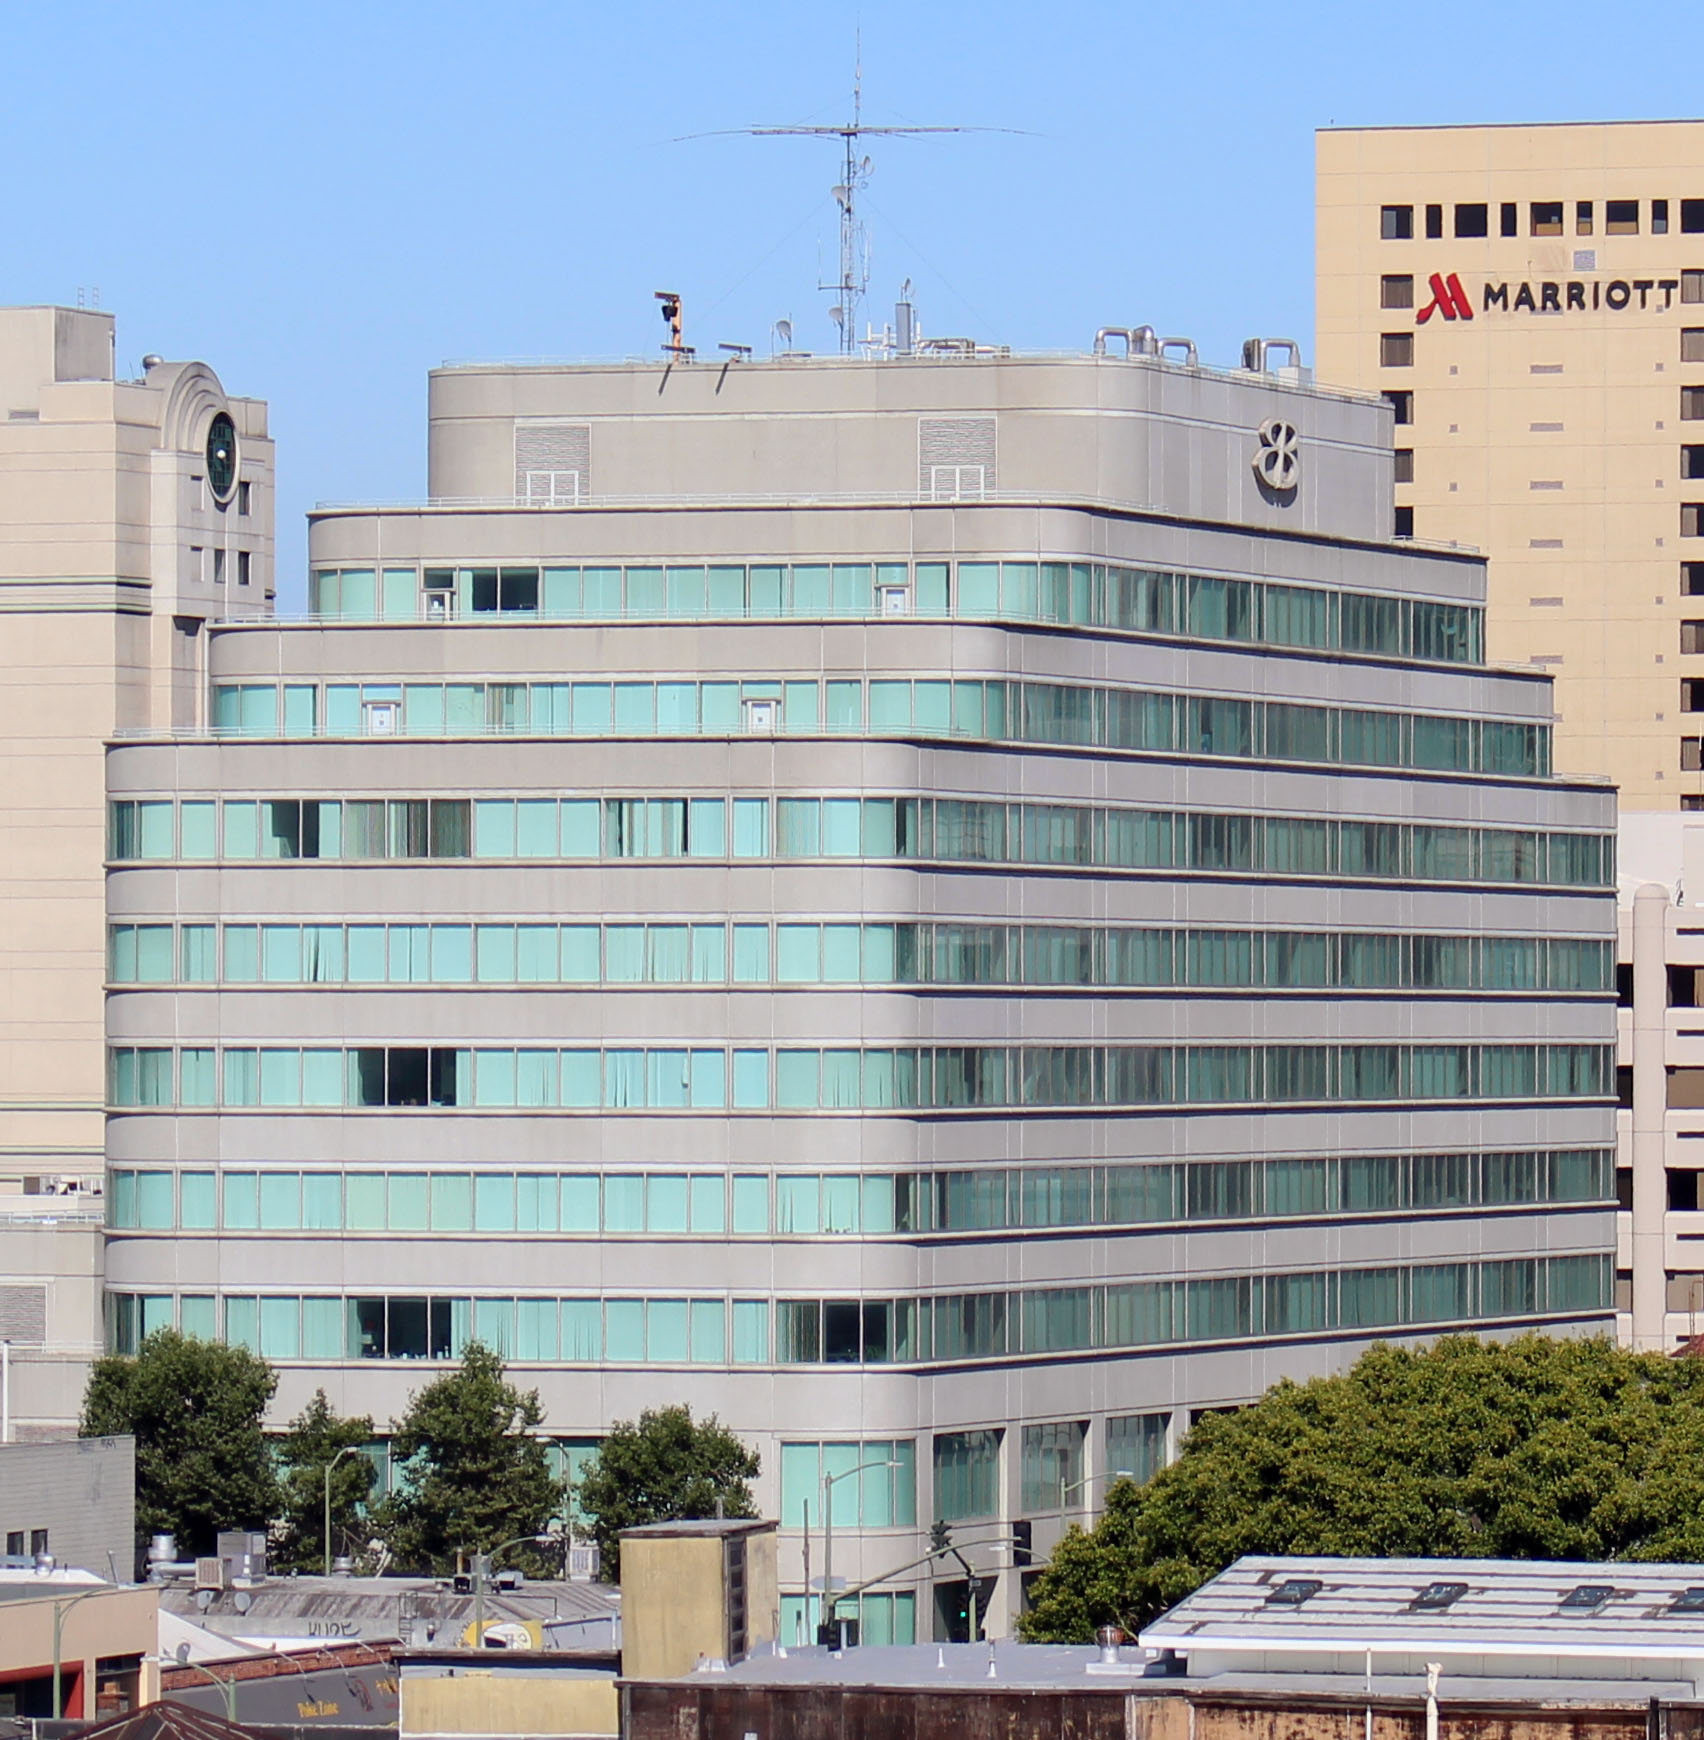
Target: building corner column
[[1650, 1105]]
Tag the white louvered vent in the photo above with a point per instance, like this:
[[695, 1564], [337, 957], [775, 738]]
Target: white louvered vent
[[23, 1315], [553, 462], [956, 458]]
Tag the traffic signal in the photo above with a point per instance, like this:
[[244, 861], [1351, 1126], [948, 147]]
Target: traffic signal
[[1023, 1542], [940, 1537]]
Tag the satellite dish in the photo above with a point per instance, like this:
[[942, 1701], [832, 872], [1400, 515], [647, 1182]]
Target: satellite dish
[[182, 1651], [784, 331], [837, 314]]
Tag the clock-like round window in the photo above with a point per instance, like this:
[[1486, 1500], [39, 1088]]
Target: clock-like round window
[[222, 457]]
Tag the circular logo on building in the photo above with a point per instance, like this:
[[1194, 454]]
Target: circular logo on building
[[1278, 456]]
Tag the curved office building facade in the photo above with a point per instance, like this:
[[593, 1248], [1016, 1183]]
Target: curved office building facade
[[919, 906]]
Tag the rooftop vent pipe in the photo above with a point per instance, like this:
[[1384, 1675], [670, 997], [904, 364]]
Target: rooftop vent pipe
[[1138, 340], [1257, 355]]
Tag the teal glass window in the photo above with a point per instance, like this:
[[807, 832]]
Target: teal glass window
[[198, 1201], [451, 1201], [242, 830], [751, 1332], [966, 1467], [579, 822], [751, 1204], [751, 827], [494, 1202], [197, 830], [322, 1201], [197, 1076], [708, 1203]]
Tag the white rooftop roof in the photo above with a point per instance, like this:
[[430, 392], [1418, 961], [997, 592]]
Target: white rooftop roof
[[1442, 1607]]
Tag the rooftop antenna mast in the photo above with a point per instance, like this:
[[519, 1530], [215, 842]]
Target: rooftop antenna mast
[[855, 174]]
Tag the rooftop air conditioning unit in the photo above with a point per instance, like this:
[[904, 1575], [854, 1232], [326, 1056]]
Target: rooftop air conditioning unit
[[583, 1565], [210, 1573]]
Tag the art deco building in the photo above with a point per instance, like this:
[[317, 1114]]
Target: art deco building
[[132, 512]]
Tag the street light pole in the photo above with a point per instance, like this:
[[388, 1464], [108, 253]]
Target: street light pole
[[1105, 1474], [60, 1609], [347, 1450], [227, 1687], [481, 1569], [828, 1480]]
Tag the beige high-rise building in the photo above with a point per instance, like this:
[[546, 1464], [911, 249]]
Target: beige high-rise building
[[132, 513], [1531, 300]]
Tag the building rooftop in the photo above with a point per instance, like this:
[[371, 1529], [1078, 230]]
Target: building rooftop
[[1442, 1607], [382, 1607], [709, 1526], [922, 1665], [962, 1668]]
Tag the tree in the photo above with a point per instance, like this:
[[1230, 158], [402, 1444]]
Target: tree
[[665, 1466], [194, 1408], [473, 1474], [314, 1438], [1531, 1449]]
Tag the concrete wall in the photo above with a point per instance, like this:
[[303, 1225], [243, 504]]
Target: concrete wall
[[487, 1701], [82, 1491], [674, 1608], [1138, 433], [694, 1711]]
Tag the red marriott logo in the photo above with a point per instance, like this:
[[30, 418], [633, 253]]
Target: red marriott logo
[[1448, 299]]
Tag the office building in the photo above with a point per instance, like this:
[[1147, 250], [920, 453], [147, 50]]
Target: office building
[[132, 512], [952, 909], [1531, 301]]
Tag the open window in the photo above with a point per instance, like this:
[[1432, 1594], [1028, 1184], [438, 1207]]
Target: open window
[[404, 1075]]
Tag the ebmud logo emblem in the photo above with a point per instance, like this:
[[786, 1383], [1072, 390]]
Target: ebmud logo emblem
[[1278, 457], [1448, 299]]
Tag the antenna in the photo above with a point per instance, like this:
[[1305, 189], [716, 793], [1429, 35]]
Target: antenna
[[854, 177]]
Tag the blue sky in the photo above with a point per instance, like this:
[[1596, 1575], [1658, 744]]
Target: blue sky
[[325, 201]]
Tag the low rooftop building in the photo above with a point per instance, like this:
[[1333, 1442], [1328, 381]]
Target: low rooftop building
[[1272, 1649], [99, 1635], [416, 1612], [1491, 1624]]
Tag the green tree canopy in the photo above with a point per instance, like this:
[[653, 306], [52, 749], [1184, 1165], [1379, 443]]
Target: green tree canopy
[[313, 1440], [473, 1475], [668, 1465], [194, 1407], [1531, 1449]]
